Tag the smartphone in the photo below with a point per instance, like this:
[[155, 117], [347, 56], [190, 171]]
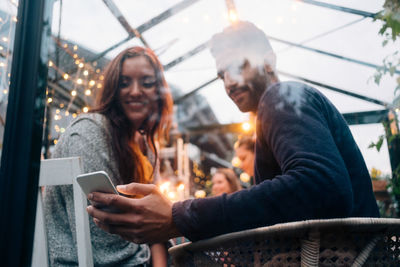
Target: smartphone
[[97, 182]]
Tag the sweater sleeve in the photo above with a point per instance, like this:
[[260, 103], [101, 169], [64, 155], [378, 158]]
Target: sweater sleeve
[[313, 183]]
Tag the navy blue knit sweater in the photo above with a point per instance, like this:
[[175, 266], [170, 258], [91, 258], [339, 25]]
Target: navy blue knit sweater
[[308, 166]]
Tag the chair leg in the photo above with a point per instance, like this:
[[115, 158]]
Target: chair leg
[[310, 249]]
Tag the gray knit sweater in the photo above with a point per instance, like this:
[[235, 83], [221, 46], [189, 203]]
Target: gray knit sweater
[[87, 137]]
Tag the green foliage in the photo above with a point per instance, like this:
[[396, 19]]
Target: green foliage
[[390, 17], [378, 144]]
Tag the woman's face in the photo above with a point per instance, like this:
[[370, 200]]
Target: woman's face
[[138, 89], [220, 185]]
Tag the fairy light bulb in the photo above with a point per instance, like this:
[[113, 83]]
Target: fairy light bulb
[[92, 83], [65, 76], [79, 81], [244, 177], [88, 92], [85, 72], [85, 109], [233, 17], [73, 92], [236, 162], [246, 126]]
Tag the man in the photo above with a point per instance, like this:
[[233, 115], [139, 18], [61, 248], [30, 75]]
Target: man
[[307, 164], [244, 150]]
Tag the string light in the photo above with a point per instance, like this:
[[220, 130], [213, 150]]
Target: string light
[[244, 177], [236, 162], [99, 85], [246, 126], [49, 100], [57, 111], [75, 47], [5, 39], [200, 194], [15, 19], [181, 187], [79, 81], [74, 115], [61, 105], [85, 109], [62, 130], [80, 65], [92, 83], [77, 62], [65, 45], [85, 72], [66, 113], [55, 141], [75, 56], [65, 76], [73, 93], [1, 48], [171, 195], [233, 17], [5, 91], [88, 92], [101, 77], [50, 63], [2, 64]]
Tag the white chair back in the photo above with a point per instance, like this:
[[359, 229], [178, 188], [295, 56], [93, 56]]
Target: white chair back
[[62, 172]]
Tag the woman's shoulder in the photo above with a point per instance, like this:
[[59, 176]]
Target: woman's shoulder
[[88, 123]]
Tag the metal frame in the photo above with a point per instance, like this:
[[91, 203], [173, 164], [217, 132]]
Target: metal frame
[[23, 133]]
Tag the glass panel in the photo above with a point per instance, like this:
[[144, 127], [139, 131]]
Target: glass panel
[[138, 12], [8, 13]]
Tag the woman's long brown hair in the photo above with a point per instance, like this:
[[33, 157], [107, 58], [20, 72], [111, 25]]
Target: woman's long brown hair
[[156, 127]]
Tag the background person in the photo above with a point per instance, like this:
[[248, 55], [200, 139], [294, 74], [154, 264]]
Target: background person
[[224, 181], [118, 137], [244, 150], [307, 164]]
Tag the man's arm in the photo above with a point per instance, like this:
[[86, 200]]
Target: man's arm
[[313, 183]]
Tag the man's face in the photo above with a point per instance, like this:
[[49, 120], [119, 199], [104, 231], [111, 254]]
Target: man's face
[[244, 84]]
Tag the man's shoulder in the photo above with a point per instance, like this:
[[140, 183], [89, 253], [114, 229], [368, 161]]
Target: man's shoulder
[[287, 87]]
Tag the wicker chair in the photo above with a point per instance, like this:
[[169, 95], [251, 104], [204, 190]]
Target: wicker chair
[[333, 242]]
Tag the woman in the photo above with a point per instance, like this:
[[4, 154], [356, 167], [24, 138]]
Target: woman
[[225, 181], [118, 136]]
